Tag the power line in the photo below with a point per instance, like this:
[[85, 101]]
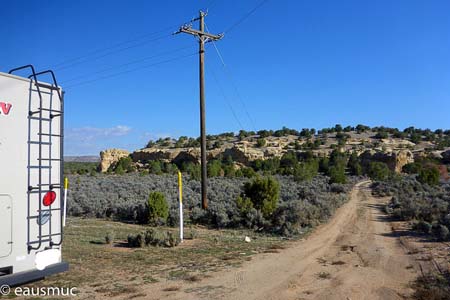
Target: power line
[[231, 78], [243, 18], [75, 61], [113, 46], [113, 52], [132, 70], [226, 100], [126, 64]]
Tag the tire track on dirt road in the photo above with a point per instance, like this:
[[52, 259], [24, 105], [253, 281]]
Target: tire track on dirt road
[[353, 256]]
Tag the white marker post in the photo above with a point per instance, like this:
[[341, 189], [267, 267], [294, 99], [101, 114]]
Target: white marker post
[[180, 197], [66, 187]]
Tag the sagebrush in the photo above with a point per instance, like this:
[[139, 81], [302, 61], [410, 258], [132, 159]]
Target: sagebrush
[[301, 205]]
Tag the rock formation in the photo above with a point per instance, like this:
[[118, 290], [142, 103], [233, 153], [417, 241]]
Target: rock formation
[[395, 160], [395, 152], [111, 156], [148, 154]]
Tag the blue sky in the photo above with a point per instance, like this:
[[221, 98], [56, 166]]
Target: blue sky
[[291, 63]]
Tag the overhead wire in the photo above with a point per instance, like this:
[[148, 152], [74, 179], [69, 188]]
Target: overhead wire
[[231, 78], [113, 52], [111, 47], [227, 100], [211, 4], [75, 61], [244, 17], [132, 70], [126, 64]]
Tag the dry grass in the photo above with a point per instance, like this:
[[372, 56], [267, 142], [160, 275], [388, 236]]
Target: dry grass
[[432, 287], [114, 269], [324, 275], [171, 289], [193, 278]]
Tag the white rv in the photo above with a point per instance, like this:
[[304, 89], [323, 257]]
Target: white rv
[[31, 176]]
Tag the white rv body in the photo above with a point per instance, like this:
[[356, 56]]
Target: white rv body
[[31, 165]]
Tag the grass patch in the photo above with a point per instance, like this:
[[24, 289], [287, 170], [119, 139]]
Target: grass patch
[[140, 295], [123, 268], [171, 289], [193, 278], [324, 275], [149, 279], [432, 287], [271, 251]]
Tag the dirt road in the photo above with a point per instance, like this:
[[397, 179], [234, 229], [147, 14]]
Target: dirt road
[[354, 256]]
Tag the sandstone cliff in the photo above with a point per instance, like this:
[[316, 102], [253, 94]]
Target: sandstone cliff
[[111, 156], [395, 152]]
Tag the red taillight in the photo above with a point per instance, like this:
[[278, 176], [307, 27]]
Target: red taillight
[[49, 198]]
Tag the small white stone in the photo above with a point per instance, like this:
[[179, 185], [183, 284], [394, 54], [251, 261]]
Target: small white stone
[[247, 239]]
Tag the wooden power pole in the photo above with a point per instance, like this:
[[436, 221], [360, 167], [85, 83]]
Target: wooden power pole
[[203, 37]]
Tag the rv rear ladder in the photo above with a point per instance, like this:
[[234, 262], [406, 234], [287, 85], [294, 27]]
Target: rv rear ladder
[[44, 185], [33, 188]]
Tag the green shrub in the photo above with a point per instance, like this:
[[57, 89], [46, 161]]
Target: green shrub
[[306, 170], [442, 232], [412, 168], [324, 165], [144, 173], [354, 165], [153, 237], [192, 169], [245, 172], [229, 171], [270, 165], [378, 171], [244, 204], [261, 142], [337, 174], [422, 226], [382, 135], [158, 210], [119, 170], [214, 168], [429, 175], [124, 165], [109, 238], [172, 239], [136, 241], [248, 172], [338, 158], [263, 193], [155, 167], [191, 234], [80, 167], [288, 162], [170, 168]]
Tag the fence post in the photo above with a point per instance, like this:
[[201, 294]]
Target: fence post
[[180, 198]]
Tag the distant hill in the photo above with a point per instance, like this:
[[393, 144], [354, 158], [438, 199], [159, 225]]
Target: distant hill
[[392, 146], [86, 158]]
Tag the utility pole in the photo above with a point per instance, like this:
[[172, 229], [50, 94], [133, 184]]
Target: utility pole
[[203, 37]]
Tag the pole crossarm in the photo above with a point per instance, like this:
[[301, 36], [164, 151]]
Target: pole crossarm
[[200, 34]]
